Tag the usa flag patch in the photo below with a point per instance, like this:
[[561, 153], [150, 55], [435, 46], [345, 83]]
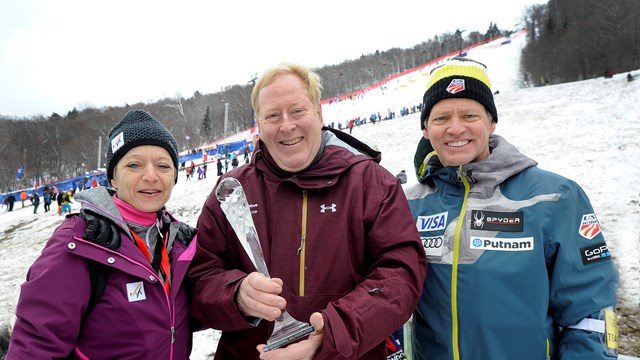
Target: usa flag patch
[[455, 86], [589, 226]]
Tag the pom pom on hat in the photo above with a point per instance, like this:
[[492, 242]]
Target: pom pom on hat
[[458, 78], [138, 128]]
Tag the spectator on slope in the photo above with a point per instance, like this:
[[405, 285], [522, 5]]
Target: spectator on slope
[[9, 201], [350, 125], [59, 198], [125, 236], [23, 197], [200, 172], [518, 267], [65, 203], [246, 153], [219, 166], [234, 162], [35, 200], [402, 176], [336, 232], [46, 195]]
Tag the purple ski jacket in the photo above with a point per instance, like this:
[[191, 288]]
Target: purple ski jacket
[[341, 237], [134, 318]]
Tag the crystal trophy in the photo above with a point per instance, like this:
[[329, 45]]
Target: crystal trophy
[[236, 209]]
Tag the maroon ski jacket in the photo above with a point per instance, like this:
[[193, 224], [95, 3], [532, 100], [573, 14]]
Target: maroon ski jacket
[[339, 234]]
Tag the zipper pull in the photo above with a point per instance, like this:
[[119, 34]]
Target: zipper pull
[[300, 248], [377, 290], [173, 334], [158, 222]]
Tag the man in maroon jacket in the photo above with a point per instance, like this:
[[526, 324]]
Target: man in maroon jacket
[[335, 229]]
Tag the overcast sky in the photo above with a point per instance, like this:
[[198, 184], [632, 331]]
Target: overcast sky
[[57, 55]]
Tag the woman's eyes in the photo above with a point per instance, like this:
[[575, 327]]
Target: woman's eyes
[[138, 165]]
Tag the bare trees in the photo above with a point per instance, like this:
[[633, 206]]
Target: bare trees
[[573, 40], [61, 146], [567, 40]]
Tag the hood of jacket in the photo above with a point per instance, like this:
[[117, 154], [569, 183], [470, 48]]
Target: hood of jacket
[[100, 201]]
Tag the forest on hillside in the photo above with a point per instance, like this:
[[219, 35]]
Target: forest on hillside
[[567, 40], [571, 40]]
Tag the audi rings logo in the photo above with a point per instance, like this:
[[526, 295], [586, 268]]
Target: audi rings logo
[[432, 242]]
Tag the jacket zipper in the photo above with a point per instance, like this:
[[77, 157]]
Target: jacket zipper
[[171, 307], [172, 320], [548, 350], [454, 269], [303, 237]]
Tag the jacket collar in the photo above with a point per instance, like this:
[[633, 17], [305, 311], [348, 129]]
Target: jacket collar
[[338, 151], [504, 161]]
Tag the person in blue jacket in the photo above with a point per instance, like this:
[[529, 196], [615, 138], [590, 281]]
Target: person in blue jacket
[[517, 264]]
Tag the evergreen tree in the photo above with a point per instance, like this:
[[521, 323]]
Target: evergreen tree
[[72, 114], [205, 128], [492, 32]]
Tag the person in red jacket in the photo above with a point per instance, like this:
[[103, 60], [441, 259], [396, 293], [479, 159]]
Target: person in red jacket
[[335, 229]]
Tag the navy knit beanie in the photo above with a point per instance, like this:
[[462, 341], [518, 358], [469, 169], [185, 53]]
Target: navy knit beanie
[[135, 129], [458, 78]]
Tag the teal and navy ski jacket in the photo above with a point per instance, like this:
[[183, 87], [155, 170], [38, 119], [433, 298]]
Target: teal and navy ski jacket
[[515, 255]]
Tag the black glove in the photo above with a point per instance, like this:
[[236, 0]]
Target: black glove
[[185, 234], [101, 230]]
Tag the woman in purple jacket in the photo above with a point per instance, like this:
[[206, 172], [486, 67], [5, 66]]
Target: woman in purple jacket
[[125, 236]]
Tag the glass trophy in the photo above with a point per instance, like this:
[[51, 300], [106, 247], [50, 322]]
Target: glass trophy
[[236, 209]]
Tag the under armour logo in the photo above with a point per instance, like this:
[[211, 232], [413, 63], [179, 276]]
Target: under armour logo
[[324, 208]]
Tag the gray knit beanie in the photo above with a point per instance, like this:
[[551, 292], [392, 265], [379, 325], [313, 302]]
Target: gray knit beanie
[[138, 128]]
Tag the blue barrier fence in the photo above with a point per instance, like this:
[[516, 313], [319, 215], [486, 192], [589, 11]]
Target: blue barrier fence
[[74, 184], [86, 181]]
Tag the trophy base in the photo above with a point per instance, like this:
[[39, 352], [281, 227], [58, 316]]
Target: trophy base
[[288, 334]]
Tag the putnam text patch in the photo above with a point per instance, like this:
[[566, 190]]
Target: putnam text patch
[[501, 244]]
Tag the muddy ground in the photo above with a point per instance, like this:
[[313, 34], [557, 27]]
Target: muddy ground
[[629, 330]]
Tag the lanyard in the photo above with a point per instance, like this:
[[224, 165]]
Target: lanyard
[[164, 261]]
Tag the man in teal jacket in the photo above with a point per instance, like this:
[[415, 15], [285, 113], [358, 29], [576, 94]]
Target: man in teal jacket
[[517, 262]]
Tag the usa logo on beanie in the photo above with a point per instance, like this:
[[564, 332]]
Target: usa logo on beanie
[[455, 86]]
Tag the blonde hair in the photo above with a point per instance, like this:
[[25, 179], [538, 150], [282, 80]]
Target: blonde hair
[[310, 79]]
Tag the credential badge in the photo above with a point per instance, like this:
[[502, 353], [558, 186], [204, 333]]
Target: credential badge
[[135, 291]]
